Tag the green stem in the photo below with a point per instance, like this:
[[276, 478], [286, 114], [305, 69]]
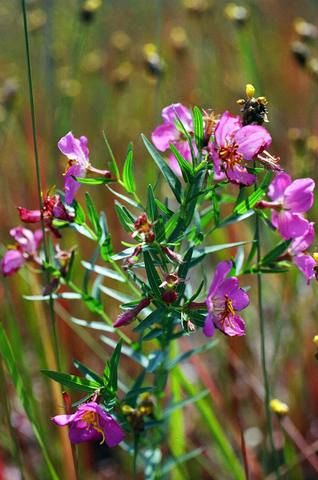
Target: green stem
[[37, 170], [263, 346]]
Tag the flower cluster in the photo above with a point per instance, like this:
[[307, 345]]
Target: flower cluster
[[211, 152]]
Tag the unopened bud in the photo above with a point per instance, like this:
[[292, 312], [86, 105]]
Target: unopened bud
[[169, 296], [250, 90], [278, 407]]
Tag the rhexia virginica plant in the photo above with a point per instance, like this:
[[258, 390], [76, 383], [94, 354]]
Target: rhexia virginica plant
[[208, 155]]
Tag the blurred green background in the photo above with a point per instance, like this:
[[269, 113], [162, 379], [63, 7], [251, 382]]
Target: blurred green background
[[112, 66]]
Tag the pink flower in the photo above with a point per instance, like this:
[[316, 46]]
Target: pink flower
[[170, 132], [235, 143], [290, 199], [91, 423], [225, 297], [75, 149], [27, 244], [298, 250]]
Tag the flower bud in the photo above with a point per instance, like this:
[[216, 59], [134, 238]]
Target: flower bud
[[169, 296], [29, 216], [128, 316], [278, 407]]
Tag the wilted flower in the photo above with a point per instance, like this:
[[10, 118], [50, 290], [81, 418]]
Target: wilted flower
[[143, 227], [235, 143], [76, 150], [91, 423], [225, 297], [175, 118], [27, 244], [290, 199], [52, 207], [129, 315]]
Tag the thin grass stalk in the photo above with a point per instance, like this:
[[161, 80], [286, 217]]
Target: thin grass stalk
[[267, 393], [7, 412], [37, 170], [177, 434]]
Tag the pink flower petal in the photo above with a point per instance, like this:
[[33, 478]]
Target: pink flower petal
[[306, 264], [252, 140], [11, 262], [291, 225], [298, 196], [226, 128], [164, 135], [278, 186]]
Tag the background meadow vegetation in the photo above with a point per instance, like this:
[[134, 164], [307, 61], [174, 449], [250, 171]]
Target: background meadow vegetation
[[112, 66]]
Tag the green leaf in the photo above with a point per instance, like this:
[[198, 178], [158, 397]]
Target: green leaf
[[152, 209], [83, 230], [55, 296], [200, 253], [88, 373], [124, 216], [93, 215], [79, 213], [152, 274], [183, 403], [184, 165], [72, 381], [124, 198], [113, 163], [255, 197], [223, 448], [106, 272], [166, 171], [94, 181], [129, 352], [183, 271], [275, 252], [150, 320], [121, 297], [172, 463], [198, 127], [94, 325], [128, 173], [111, 369], [194, 351]]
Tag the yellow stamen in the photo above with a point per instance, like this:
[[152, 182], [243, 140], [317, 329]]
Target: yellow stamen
[[92, 420], [315, 340], [315, 256]]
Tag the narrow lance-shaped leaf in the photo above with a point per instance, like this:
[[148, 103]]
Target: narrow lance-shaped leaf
[[111, 369], [93, 181], [152, 274], [93, 214], [184, 165], [198, 127], [255, 197], [275, 252], [128, 173], [166, 171], [72, 381], [113, 163]]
